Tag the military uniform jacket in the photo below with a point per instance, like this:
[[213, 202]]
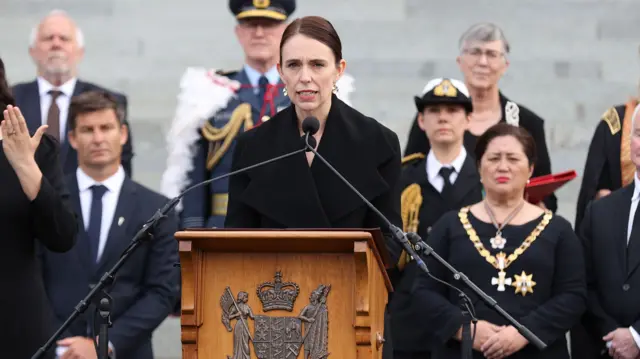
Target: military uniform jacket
[[291, 194], [214, 108], [422, 206], [608, 164], [513, 114]]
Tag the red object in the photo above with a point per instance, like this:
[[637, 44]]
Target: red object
[[542, 186]]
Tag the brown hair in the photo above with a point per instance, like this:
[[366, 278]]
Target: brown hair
[[317, 28], [503, 129], [92, 101], [6, 98]]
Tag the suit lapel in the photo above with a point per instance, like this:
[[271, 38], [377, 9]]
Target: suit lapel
[[64, 145], [31, 107], [281, 101], [118, 227], [630, 249], [621, 213], [82, 248], [467, 180]]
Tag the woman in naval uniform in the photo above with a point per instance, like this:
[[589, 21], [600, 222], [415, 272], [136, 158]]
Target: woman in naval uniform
[[443, 180]]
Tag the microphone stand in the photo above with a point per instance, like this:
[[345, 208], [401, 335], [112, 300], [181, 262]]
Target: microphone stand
[[401, 237], [144, 234]]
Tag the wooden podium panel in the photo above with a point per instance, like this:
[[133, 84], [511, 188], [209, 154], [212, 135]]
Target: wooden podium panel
[[279, 272]]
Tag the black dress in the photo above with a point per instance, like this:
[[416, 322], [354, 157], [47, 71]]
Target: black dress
[[27, 320], [553, 260], [527, 119], [291, 194]]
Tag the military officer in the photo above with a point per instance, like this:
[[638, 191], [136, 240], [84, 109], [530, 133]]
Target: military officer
[[215, 106], [443, 180]]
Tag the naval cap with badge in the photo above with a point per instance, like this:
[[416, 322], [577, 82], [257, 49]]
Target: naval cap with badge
[[444, 91], [269, 9]]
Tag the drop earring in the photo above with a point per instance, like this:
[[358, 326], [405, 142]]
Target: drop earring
[[335, 88], [284, 91]]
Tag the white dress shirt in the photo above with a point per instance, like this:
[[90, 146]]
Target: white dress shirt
[[434, 166], [63, 101], [109, 201]]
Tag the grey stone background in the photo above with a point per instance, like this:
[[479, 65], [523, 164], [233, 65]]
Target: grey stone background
[[570, 60]]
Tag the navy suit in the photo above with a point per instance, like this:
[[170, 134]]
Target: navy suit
[[206, 206], [145, 288], [27, 98]]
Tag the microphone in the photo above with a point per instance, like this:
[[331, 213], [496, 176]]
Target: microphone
[[406, 240], [145, 234], [310, 127]]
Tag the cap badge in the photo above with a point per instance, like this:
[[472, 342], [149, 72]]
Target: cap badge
[[261, 4], [445, 88]]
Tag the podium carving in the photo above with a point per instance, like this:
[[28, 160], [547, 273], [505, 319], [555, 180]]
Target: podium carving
[[278, 337], [283, 294]]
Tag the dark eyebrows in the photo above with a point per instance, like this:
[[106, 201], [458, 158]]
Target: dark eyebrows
[[313, 61]]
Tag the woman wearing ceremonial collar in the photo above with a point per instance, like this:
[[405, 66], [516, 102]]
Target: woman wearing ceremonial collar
[[483, 61], [525, 257], [301, 191]]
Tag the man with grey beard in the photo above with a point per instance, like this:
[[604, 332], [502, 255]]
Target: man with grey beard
[[56, 47]]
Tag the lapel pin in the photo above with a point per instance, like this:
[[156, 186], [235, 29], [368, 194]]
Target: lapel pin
[[120, 221]]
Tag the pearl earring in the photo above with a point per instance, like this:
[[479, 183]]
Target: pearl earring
[[284, 91]]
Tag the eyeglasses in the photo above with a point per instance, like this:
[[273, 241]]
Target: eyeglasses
[[477, 53]]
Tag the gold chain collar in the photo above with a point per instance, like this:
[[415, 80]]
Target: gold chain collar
[[501, 261]]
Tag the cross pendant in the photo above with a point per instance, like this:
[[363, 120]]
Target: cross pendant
[[501, 281]]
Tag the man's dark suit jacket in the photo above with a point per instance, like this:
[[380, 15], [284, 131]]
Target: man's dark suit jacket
[[613, 277], [27, 98], [144, 290]]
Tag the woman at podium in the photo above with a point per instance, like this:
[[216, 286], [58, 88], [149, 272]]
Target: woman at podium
[[525, 257], [34, 211], [301, 191]]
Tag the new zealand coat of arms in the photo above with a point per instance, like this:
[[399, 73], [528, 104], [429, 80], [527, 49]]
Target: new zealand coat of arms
[[281, 337]]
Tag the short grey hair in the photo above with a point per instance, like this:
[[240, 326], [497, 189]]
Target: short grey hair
[[484, 32], [34, 31]]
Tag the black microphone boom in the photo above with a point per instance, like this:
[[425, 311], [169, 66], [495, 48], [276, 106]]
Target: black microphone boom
[[402, 237], [143, 234]]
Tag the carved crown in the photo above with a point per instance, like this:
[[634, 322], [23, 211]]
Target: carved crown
[[277, 295]]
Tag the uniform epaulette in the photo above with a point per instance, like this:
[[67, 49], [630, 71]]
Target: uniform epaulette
[[612, 119], [412, 157], [226, 73]]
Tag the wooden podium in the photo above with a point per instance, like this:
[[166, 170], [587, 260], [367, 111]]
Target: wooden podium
[[302, 293]]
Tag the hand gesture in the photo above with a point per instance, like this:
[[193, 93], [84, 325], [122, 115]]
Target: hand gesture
[[623, 345], [503, 343], [16, 143]]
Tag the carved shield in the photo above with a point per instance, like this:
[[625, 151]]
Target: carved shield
[[277, 337]]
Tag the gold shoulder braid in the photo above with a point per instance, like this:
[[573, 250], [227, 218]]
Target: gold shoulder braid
[[524, 282], [412, 157], [411, 201], [612, 119], [221, 138]]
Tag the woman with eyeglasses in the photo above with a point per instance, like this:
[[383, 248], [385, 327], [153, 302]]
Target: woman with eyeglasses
[[483, 61]]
